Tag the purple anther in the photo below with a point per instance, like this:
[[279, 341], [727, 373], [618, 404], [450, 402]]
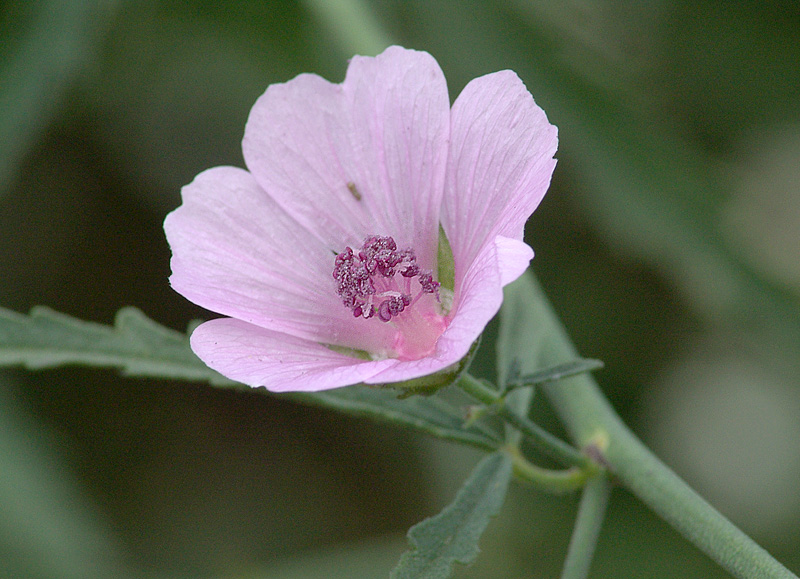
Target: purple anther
[[398, 304], [354, 282], [429, 286], [342, 262], [380, 254], [383, 311], [370, 273]]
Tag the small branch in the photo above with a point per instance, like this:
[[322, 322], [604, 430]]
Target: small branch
[[591, 512], [543, 440], [589, 417], [548, 480]]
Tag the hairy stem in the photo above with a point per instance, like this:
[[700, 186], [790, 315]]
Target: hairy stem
[[593, 425], [543, 440], [548, 480], [591, 512]]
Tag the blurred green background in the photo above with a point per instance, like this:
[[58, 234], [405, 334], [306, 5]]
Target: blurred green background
[[669, 243]]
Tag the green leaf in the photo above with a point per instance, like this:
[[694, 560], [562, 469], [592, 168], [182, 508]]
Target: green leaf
[[452, 535], [135, 344], [428, 414], [141, 347], [446, 265], [555, 373]]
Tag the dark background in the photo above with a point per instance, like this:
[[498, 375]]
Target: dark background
[[669, 243]]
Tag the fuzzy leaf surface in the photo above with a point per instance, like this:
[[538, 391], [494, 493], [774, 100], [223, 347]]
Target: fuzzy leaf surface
[[138, 346], [429, 414], [135, 344], [453, 535]]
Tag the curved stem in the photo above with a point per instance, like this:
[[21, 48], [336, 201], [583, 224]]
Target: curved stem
[[591, 512], [543, 440], [591, 421], [586, 412], [549, 480]]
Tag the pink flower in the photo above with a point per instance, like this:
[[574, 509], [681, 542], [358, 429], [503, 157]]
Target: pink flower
[[324, 253]]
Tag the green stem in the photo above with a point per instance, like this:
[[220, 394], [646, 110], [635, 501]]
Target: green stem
[[543, 440], [552, 481], [592, 422], [591, 512]]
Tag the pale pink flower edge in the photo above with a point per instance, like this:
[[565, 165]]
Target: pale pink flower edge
[[257, 245]]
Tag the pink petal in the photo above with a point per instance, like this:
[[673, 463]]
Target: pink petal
[[381, 135], [237, 253], [281, 363], [513, 258], [500, 163], [380, 153], [481, 297]]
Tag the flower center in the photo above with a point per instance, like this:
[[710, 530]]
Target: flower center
[[368, 282], [379, 280]]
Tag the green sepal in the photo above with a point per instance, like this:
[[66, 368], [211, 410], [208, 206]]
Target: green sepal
[[446, 264], [352, 352]]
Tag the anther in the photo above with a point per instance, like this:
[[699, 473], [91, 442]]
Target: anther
[[367, 277]]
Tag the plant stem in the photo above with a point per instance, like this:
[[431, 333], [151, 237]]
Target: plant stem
[[548, 480], [543, 440], [591, 420], [591, 512]]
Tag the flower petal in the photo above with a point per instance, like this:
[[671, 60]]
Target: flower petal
[[513, 258], [281, 363], [500, 164], [481, 297], [330, 164], [237, 253], [364, 157]]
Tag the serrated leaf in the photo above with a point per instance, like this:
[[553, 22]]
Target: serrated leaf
[[135, 344], [453, 535], [138, 346], [558, 372], [428, 414]]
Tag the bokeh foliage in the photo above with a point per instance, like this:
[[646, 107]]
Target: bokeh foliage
[[669, 242]]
